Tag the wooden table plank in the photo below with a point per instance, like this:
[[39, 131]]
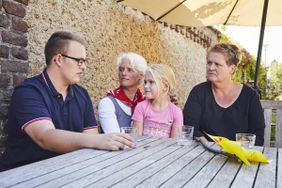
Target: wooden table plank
[[167, 172], [155, 168], [279, 168], [246, 175], [189, 170], [24, 173], [267, 172], [206, 174], [61, 165], [133, 169], [65, 171], [103, 169], [226, 175]]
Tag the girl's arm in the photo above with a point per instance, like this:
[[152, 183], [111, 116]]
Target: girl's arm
[[139, 126], [176, 131], [138, 118], [177, 126]]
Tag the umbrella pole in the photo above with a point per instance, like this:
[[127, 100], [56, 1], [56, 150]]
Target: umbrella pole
[[262, 28]]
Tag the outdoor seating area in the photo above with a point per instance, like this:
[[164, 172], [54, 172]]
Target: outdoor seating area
[[140, 93]]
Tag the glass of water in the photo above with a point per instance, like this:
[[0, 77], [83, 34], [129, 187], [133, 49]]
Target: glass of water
[[131, 131], [185, 137], [246, 139]]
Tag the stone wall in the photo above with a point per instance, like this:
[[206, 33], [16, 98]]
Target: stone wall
[[109, 28]]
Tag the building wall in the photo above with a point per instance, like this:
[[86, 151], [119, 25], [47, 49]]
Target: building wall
[[109, 28]]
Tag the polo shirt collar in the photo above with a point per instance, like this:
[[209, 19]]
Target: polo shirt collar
[[52, 88]]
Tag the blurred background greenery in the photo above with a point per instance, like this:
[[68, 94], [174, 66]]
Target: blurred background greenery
[[269, 78]]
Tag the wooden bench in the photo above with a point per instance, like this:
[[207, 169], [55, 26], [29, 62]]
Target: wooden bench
[[272, 117]]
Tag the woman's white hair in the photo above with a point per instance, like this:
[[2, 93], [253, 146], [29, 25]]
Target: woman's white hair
[[137, 61]]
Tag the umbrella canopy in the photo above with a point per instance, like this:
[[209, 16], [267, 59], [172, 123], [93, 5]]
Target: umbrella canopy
[[214, 12], [209, 12]]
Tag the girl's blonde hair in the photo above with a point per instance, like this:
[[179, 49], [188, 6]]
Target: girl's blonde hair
[[163, 73]]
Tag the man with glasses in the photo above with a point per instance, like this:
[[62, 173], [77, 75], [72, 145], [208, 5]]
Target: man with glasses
[[50, 114]]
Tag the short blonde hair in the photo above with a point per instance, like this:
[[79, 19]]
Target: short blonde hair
[[163, 73], [137, 61]]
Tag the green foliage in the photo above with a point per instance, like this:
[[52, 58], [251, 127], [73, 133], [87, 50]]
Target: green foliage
[[276, 74], [275, 80]]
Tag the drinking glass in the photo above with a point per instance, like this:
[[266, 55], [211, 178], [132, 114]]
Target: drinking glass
[[185, 137], [132, 132], [246, 139]]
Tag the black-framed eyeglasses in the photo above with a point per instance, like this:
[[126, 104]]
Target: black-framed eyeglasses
[[79, 61]]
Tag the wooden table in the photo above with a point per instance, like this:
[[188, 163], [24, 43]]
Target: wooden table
[[154, 163]]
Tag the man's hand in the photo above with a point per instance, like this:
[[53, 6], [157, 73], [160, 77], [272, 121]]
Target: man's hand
[[115, 141], [201, 139]]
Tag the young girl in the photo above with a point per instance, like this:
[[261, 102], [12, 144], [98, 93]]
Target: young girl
[[157, 116]]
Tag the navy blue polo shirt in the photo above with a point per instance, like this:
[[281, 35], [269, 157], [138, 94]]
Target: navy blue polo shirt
[[37, 99]]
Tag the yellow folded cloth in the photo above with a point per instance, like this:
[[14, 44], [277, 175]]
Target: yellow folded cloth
[[244, 154]]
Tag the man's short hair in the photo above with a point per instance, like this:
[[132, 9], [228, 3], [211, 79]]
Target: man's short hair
[[58, 43]]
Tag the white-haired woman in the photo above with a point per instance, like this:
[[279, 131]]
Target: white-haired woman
[[116, 109]]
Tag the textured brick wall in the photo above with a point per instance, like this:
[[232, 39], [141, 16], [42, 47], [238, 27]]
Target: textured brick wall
[[13, 52]]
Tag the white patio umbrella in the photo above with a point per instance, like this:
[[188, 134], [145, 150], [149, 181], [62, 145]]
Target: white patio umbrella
[[214, 12]]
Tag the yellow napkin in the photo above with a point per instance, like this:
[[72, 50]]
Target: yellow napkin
[[244, 154]]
